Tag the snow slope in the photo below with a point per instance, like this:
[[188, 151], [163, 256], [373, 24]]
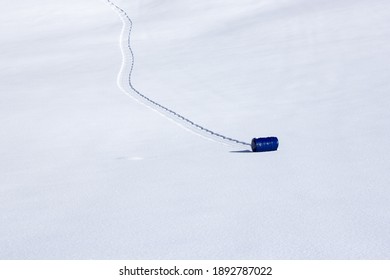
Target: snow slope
[[88, 173]]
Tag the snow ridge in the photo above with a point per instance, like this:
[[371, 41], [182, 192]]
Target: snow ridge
[[124, 81]]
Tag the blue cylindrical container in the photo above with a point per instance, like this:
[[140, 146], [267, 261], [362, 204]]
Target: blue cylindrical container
[[266, 144]]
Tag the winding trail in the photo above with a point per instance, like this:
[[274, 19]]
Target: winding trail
[[125, 84]]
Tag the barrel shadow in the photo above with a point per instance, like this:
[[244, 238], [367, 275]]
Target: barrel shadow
[[242, 151]]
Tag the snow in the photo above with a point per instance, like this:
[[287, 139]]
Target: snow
[[88, 173]]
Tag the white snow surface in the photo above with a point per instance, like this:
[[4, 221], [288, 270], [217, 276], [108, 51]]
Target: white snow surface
[[88, 173]]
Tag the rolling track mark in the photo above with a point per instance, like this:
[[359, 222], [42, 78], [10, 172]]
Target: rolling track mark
[[125, 84]]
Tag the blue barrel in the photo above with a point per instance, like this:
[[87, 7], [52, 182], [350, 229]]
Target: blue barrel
[[266, 144]]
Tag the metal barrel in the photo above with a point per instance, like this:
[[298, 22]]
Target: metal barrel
[[265, 144]]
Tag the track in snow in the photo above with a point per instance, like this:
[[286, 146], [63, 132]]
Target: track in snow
[[125, 84]]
